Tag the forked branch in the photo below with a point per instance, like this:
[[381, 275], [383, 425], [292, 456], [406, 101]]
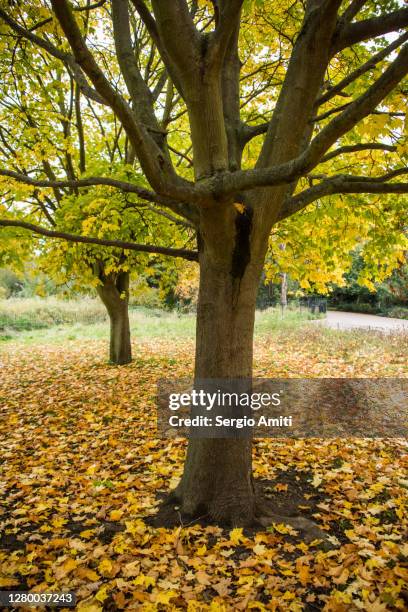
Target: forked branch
[[156, 169]]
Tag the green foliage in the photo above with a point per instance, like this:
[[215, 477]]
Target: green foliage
[[142, 294], [389, 296], [28, 282], [36, 105], [319, 242], [398, 312], [10, 283]]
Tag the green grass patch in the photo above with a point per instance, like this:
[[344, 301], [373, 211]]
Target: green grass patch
[[53, 321], [26, 314]]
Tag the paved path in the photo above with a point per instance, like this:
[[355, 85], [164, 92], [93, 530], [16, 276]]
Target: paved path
[[355, 320]]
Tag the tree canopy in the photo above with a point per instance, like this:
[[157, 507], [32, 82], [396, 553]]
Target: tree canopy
[[100, 94]]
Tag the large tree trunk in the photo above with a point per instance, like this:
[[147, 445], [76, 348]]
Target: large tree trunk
[[114, 293], [217, 479]]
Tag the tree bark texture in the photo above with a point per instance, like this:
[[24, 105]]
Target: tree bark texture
[[114, 293], [217, 479]]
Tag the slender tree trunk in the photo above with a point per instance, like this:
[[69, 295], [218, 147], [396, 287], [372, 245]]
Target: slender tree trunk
[[284, 290], [114, 293], [217, 479], [284, 284]]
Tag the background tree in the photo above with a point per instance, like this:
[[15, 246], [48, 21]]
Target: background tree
[[292, 89], [390, 296], [60, 132], [104, 212], [320, 242]]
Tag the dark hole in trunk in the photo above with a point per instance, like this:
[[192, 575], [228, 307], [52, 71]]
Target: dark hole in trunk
[[242, 251]]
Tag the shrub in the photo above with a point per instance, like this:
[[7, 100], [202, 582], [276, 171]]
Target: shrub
[[363, 307], [398, 312], [141, 294], [20, 314]]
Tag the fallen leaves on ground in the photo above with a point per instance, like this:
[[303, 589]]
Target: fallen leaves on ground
[[82, 466]]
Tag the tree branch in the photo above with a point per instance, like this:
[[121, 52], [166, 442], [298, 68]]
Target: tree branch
[[149, 154], [140, 94], [331, 111], [343, 184], [348, 35], [148, 20], [90, 7], [234, 182], [228, 14], [251, 131], [170, 217], [357, 147], [351, 11], [179, 40], [80, 130], [304, 76], [230, 72], [122, 244], [357, 110], [183, 209], [144, 194], [373, 61], [151, 26]]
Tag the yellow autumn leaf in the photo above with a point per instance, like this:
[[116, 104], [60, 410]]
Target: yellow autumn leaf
[[304, 574], [259, 549], [116, 515], [105, 567], [70, 565], [8, 582], [88, 607], [144, 580], [164, 597], [137, 527], [203, 578], [400, 513], [236, 536], [102, 594], [89, 574], [283, 529], [401, 572], [317, 480], [41, 507], [87, 533]]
